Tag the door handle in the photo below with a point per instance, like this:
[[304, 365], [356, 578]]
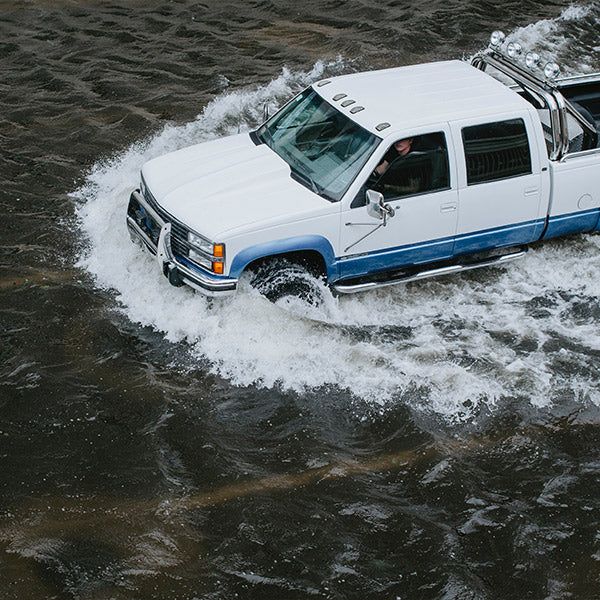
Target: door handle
[[531, 191], [448, 207]]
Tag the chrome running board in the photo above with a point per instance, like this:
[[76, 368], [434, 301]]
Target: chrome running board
[[341, 288]]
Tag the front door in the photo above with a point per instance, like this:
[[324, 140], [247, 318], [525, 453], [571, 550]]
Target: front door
[[418, 185]]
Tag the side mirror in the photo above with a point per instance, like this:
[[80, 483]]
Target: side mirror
[[376, 207]]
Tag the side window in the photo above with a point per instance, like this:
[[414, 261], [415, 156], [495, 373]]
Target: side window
[[496, 151], [581, 138], [544, 115], [576, 134], [412, 166]]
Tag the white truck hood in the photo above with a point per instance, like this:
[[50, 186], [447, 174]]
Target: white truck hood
[[225, 184]]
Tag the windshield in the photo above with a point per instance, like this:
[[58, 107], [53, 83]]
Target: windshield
[[325, 149]]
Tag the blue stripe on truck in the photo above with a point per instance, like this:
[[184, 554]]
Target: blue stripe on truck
[[382, 260], [421, 252], [440, 249], [578, 222], [498, 237]]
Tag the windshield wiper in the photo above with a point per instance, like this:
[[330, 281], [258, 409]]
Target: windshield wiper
[[307, 125], [305, 178]]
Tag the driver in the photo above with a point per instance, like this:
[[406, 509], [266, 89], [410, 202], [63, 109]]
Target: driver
[[399, 148]]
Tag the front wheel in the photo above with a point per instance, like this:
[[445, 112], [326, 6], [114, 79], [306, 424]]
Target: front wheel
[[280, 278]]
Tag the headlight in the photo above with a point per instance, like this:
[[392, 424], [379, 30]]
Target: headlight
[[532, 60], [199, 242], [514, 50], [200, 259], [497, 38], [551, 70], [210, 256]]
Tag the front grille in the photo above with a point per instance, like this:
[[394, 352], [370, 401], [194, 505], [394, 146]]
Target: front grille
[[144, 221], [179, 232]]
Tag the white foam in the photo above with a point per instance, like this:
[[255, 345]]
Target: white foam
[[450, 345], [554, 38]]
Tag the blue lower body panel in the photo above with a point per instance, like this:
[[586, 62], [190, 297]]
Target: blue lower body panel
[[394, 258], [579, 222], [437, 250], [517, 234]]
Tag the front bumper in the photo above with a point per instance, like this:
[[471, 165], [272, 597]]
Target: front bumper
[[154, 232]]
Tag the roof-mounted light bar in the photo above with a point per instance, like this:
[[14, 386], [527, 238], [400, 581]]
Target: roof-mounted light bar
[[514, 51]]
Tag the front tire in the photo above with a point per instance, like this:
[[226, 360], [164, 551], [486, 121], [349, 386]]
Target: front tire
[[280, 278]]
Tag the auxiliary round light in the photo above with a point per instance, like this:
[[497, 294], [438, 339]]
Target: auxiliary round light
[[532, 60], [514, 50], [497, 38], [551, 70]]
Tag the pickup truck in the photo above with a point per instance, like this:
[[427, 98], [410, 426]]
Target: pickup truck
[[501, 154]]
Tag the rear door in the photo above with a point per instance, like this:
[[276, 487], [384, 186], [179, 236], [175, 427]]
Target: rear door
[[502, 190]]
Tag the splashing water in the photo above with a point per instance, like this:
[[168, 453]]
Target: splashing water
[[451, 345], [553, 38]]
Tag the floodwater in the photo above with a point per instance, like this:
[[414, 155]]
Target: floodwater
[[439, 440]]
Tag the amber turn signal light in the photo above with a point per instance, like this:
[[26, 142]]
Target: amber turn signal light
[[219, 250], [217, 268]]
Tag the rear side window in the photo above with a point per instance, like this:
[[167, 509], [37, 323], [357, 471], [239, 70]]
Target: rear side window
[[496, 151]]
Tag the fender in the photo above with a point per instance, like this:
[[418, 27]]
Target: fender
[[316, 243]]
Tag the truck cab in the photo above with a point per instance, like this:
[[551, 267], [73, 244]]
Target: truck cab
[[498, 157]]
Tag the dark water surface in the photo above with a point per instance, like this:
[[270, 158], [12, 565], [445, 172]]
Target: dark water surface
[[441, 440]]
